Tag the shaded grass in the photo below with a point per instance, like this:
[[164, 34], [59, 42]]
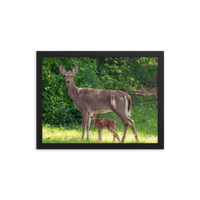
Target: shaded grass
[[146, 123]]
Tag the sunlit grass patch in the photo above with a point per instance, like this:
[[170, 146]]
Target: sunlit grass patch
[[56, 135], [145, 117]]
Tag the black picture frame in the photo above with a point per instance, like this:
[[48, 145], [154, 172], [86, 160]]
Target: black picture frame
[[41, 54]]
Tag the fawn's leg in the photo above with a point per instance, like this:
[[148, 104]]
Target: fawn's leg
[[101, 135], [114, 134], [98, 136]]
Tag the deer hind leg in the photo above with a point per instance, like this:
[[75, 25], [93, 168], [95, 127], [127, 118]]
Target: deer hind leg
[[125, 130], [121, 109], [130, 122], [88, 125]]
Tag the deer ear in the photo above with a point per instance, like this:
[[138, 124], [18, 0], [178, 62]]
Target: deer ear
[[75, 69], [98, 111], [62, 70]]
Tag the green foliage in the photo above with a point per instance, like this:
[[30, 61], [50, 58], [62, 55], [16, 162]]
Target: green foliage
[[121, 73], [128, 73]]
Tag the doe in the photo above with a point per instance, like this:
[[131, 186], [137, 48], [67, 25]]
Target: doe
[[101, 123], [105, 100]]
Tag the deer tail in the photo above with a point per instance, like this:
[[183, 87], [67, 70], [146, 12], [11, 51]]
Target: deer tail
[[128, 104]]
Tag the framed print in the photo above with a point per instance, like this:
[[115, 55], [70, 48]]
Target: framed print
[[100, 100]]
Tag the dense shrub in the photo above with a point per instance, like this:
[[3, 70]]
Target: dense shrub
[[120, 73], [128, 73]]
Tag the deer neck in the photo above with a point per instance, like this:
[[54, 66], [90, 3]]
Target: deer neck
[[72, 90]]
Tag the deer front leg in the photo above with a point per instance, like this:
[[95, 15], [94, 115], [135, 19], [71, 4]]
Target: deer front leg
[[84, 118], [88, 125]]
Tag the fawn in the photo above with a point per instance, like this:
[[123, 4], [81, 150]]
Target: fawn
[[101, 123]]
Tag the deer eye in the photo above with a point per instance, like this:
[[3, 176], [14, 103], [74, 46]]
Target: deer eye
[[71, 75]]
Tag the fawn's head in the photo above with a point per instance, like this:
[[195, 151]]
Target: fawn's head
[[68, 75], [93, 114]]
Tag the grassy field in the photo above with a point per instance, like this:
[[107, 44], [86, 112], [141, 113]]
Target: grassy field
[[144, 115]]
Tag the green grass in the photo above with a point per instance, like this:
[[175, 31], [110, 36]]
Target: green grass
[[146, 123]]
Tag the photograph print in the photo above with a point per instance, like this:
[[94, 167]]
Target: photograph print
[[105, 101]]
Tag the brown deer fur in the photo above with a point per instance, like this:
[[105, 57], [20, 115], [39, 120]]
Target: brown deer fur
[[96, 99], [101, 123]]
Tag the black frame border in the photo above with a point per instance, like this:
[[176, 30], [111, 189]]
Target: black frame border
[[41, 54]]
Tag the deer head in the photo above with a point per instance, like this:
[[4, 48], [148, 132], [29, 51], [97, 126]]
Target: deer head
[[93, 114], [68, 75]]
